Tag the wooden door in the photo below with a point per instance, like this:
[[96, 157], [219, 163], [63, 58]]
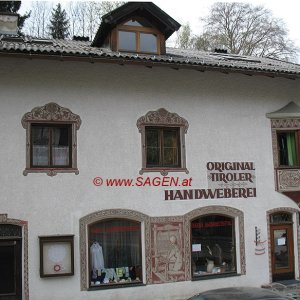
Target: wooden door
[[282, 250]]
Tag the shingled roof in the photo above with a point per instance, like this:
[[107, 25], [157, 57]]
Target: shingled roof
[[174, 58]]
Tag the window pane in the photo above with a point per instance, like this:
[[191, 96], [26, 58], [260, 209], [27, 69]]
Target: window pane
[[127, 40], [60, 146], [170, 157], [281, 248], [213, 245], [281, 217], [40, 146], [152, 147], [138, 22], [115, 252], [148, 42], [287, 148], [133, 23]]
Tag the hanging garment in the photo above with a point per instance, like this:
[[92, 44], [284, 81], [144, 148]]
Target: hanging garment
[[97, 260]]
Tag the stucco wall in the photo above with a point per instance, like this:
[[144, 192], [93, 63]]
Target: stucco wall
[[226, 115]]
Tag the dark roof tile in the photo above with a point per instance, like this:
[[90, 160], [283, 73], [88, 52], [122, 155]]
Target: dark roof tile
[[178, 57]]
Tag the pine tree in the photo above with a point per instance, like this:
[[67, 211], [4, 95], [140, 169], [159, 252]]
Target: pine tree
[[59, 23], [13, 7]]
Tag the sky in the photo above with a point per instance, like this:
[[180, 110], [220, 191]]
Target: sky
[[189, 11]]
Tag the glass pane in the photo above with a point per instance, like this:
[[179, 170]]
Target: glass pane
[[138, 22], [287, 148], [170, 153], [213, 245], [281, 217], [115, 252], [127, 40], [281, 249], [60, 146], [148, 42], [133, 23], [40, 146], [152, 147]]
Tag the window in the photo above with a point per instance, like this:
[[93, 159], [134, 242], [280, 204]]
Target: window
[[285, 126], [138, 35], [51, 140], [163, 141], [115, 253], [51, 146], [162, 147], [213, 246], [288, 148]]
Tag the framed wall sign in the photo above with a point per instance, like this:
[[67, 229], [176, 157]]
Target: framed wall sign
[[56, 255]]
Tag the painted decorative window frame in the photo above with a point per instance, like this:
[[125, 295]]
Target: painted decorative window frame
[[163, 118], [24, 224], [295, 216], [84, 223], [51, 114], [286, 179], [238, 217]]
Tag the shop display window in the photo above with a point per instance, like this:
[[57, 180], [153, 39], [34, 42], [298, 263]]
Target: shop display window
[[213, 246], [115, 253]]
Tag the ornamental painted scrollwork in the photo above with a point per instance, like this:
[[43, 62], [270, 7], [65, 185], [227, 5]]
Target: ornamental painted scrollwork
[[162, 117], [285, 119], [288, 180], [97, 216], [51, 112], [285, 123], [222, 210]]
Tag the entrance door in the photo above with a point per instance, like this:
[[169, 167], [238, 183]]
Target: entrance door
[[10, 270], [282, 252]]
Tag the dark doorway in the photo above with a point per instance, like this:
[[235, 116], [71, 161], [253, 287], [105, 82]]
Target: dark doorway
[[10, 262]]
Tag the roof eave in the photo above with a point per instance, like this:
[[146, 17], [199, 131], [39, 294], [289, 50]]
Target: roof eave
[[133, 61]]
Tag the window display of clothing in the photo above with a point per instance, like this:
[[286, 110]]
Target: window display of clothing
[[110, 274], [97, 260]]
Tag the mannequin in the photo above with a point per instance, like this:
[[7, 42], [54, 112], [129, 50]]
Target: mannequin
[[97, 260]]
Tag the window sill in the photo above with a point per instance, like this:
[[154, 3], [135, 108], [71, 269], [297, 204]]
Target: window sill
[[116, 285], [50, 171], [215, 276], [163, 171]]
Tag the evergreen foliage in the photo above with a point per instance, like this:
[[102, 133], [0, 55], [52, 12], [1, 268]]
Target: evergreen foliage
[[59, 23]]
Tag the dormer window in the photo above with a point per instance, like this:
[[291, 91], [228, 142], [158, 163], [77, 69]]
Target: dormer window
[[138, 36], [136, 27]]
